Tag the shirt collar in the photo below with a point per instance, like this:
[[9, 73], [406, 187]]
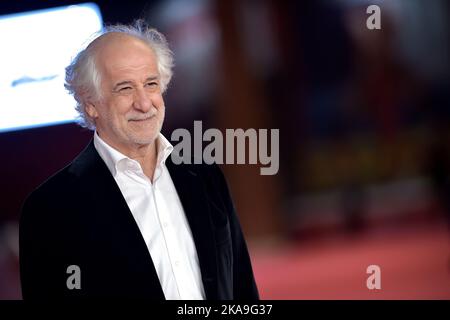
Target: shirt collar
[[112, 157]]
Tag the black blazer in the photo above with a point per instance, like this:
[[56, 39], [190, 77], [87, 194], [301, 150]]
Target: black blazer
[[79, 217]]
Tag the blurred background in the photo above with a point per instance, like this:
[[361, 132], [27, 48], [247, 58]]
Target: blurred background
[[364, 135]]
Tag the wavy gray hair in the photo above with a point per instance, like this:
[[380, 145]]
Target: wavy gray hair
[[83, 78]]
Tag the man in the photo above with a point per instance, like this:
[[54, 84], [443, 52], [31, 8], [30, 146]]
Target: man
[[122, 220]]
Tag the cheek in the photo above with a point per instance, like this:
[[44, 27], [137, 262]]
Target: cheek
[[157, 101], [118, 108], [122, 104], [114, 113]]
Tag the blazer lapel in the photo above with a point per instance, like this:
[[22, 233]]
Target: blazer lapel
[[114, 216], [102, 188], [193, 198]]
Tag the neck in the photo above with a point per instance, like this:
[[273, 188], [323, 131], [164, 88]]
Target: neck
[[145, 154]]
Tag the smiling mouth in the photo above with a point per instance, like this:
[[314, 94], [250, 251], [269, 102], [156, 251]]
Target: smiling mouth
[[141, 120]]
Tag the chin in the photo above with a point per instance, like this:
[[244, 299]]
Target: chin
[[143, 140], [144, 135]]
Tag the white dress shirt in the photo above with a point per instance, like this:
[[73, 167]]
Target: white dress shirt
[[159, 214]]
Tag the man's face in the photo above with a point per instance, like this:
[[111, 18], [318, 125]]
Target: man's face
[[130, 112]]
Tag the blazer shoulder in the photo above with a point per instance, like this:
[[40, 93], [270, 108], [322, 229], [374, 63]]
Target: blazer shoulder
[[56, 183], [216, 184], [211, 173], [41, 203], [59, 183]]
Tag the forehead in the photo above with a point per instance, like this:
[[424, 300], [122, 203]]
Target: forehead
[[118, 53]]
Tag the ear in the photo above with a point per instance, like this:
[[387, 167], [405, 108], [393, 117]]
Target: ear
[[91, 110]]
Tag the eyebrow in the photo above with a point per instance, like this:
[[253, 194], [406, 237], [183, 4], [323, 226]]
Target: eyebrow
[[152, 78]]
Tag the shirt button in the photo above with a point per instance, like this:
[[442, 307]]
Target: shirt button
[[165, 225], [177, 263]]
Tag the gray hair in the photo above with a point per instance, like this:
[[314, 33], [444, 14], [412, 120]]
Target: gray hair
[[83, 78]]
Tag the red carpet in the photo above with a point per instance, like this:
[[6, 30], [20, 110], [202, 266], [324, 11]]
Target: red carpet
[[414, 262]]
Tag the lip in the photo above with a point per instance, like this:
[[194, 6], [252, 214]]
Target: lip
[[141, 120]]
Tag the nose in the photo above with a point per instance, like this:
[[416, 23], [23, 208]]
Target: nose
[[142, 101]]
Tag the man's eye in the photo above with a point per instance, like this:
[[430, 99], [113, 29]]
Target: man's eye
[[123, 89], [152, 84]]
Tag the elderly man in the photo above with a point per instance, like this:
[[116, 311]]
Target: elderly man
[[122, 220]]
